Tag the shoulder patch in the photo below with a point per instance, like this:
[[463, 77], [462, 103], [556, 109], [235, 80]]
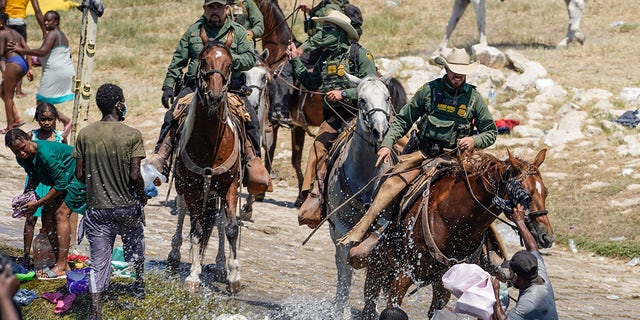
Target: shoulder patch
[[369, 56]]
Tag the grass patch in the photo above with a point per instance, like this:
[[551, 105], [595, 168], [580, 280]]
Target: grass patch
[[626, 249], [166, 298]]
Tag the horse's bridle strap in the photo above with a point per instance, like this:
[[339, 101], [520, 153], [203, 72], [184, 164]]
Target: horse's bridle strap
[[224, 167]]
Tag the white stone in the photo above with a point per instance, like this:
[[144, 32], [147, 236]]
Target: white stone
[[488, 56], [633, 187], [412, 62], [593, 131], [630, 96], [552, 95], [595, 185], [525, 131], [517, 60], [603, 105], [538, 107], [542, 84]]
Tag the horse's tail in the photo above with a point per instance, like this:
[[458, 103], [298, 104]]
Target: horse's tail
[[398, 94]]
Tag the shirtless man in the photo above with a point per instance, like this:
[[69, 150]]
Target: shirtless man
[[17, 67]]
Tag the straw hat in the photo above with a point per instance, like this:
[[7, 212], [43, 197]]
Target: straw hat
[[341, 20], [458, 61]]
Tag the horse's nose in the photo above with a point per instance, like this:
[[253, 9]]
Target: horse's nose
[[378, 135]]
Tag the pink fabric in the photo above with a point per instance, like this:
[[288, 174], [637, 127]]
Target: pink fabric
[[20, 200], [472, 286]]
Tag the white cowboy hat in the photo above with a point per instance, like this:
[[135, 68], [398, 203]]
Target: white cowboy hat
[[341, 20], [458, 61]]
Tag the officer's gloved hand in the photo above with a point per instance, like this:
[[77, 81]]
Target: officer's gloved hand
[[167, 96]]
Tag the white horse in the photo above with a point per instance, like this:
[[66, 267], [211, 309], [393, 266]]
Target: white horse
[[352, 171], [574, 7]]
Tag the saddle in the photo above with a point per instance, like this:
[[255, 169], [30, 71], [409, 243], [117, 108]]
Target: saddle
[[236, 106], [432, 170]]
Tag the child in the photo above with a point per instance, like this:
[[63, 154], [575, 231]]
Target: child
[[46, 115]]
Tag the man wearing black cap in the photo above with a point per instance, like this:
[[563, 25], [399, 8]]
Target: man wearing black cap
[[529, 275]]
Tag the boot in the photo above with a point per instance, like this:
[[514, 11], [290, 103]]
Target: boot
[[358, 254], [159, 158], [258, 179], [310, 212]]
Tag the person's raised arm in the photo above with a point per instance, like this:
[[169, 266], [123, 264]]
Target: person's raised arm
[[39, 16], [518, 217]]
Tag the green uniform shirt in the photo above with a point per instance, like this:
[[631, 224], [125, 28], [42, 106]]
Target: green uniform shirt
[[314, 80], [247, 14], [435, 119], [106, 149], [54, 166], [190, 46], [315, 32]]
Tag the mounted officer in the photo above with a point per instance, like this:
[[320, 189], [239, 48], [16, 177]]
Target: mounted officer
[[446, 111], [340, 102], [217, 27], [247, 14]]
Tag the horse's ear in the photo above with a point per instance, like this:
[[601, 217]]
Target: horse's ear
[[386, 78], [513, 160], [203, 36], [265, 54], [540, 157], [353, 79]]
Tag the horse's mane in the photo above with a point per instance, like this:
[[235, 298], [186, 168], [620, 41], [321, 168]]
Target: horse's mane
[[487, 165], [274, 11]]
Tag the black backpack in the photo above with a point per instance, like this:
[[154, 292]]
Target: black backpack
[[350, 10]]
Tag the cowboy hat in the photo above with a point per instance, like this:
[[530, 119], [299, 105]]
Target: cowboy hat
[[341, 20], [458, 61]]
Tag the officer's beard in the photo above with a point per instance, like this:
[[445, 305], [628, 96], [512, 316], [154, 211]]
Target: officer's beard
[[216, 23]]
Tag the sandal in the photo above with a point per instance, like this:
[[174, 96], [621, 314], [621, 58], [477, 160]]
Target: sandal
[[48, 274], [19, 123], [4, 131], [53, 297], [65, 303]]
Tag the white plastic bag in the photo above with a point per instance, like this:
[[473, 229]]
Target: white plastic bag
[[472, 286], [150, 173]]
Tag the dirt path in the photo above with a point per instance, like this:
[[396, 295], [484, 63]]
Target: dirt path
[[279, 273]]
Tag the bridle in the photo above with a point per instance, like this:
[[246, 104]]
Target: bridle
[[206, 95]]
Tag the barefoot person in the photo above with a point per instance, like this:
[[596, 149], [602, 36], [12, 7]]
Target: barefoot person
[[51, 164], [17, 67]]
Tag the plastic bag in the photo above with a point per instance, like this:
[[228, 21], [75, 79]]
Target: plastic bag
[[150, 173], [78, 281], [472, 286]]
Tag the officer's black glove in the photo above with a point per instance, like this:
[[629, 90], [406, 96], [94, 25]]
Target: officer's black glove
[[167, 96]]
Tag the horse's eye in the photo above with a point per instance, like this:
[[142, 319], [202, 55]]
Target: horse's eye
[[362, 101]]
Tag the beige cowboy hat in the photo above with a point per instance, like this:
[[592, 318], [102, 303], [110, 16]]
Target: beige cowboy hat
[[458, 61], [341, 20]]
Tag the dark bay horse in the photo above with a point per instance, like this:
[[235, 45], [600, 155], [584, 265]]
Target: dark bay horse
[[207, 169], [305, 107], [452, 229], [352, 173]]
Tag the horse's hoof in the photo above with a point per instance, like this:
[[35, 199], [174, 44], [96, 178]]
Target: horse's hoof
[[234, 287], [220, 275], [260, 197], [246, 215], [192, 286]]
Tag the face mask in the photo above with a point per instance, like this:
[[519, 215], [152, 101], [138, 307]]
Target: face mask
[[333, 39], [122, 112]]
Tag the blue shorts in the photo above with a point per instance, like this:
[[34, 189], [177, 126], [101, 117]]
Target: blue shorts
[[19, 60]]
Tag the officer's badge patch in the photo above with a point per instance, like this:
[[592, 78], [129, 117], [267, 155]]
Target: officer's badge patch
[[369, 56], [462, 111], [331, 69], [341, 70]]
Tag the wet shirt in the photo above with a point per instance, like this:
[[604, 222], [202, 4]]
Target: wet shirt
[[190, 46], [443, 114], [106, 149], [536, 301]]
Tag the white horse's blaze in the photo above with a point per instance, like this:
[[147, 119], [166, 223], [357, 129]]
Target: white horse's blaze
[[218, 54], [539, 187]]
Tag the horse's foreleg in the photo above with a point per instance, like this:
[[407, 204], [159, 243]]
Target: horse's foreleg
[[220, 271], [173, 260], [373, 283], [440, 297], [297, 145], [345, 276], [575, 9], [459, 6], [480, 8], [400, 285], [195, 239], [232, 231]]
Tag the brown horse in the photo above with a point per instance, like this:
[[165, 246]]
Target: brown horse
[[207, 169], [428, 242]]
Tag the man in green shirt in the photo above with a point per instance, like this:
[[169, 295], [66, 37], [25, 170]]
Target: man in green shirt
[[247, 14], [108, 156], [215, 23], [340, 103], [445, 110]]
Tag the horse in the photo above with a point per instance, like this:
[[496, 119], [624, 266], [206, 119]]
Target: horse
[[305, 107], [353, 170], [207, 170], [257, 79], [447, 226], [574, 8]]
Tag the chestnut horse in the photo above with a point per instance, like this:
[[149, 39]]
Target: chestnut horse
[[305, 107], [207, 169], [453, 228]]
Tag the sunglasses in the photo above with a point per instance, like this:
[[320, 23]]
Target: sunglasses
[[328, 27]]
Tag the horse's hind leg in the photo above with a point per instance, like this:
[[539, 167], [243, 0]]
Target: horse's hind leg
[[232, 230], [173, 260], [195, 239], [297, 144], [345, 276], [459, 6]]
